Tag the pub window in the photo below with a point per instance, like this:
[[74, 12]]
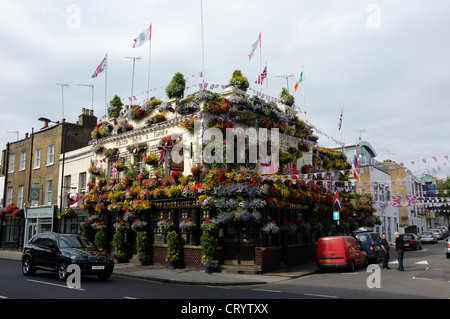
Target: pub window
[[82, 182]]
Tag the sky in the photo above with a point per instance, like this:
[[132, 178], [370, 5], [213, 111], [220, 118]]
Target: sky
[[384, 63]]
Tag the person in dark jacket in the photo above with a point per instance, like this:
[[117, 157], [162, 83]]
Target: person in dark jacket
[[385, 247], [400, 250]]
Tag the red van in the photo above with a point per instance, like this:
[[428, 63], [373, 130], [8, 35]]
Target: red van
[[340, 251]]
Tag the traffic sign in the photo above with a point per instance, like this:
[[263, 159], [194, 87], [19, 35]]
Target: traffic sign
[[336, 215]]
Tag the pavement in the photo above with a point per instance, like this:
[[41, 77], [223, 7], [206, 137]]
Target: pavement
[[195, 276]]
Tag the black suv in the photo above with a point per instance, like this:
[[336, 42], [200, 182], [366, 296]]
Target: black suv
[[54, 252]]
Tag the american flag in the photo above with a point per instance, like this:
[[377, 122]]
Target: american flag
[[340, 119], [262, 76], [100, 68]]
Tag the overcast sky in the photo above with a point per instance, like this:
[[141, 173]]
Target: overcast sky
[[385, 63]]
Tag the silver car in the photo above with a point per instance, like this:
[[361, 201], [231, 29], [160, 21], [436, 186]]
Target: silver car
[[428, 237], [437, 233], [444, 230], [447, 248]]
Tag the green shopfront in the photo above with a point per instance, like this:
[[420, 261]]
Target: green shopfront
[[39, 220]]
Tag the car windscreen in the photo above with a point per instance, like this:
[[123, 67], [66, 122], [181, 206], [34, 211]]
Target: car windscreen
[[362, 239], [407, 236], [73, 242]]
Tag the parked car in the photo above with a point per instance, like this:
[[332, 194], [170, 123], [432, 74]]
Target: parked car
[[55, 252], [371, 243], [444, 230], [447, 248], [428, 237], [438, 233], [340, 251], [410, 240]]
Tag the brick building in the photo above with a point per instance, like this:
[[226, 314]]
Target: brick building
[[31, 177]]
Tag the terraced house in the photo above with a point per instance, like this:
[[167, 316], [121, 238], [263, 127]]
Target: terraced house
[[31, 169]]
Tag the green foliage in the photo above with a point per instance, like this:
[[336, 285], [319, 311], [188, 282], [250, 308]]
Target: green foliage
[[119, 245], [173, 247], [176, 87], [101, 240], [286, 98], [209, 243], [143, 242], [239, 80], [115, 107]]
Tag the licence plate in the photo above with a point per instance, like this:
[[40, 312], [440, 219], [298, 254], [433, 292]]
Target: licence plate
[[405, 244], [325, 260], [98, 267]]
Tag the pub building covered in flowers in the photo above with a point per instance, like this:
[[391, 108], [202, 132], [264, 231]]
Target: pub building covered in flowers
[[151, 200]]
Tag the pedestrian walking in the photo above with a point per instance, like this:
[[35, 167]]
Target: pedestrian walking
[[400, 250], [385, 247]]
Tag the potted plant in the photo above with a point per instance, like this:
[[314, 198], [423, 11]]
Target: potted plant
[[115, 107], [176, 87], [209, 242], [120, 246], [143, 246], [174, 249], [239, 80], [286, 98]]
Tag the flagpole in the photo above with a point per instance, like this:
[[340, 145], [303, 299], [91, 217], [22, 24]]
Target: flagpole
[[260, 61], [149, 60], [304, 90], [106, 83], [203, 45]]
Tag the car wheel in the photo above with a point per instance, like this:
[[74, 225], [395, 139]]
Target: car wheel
[[352, 266], [27, 267], [62, 270]]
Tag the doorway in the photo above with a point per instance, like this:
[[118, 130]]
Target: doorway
[[239, 244]]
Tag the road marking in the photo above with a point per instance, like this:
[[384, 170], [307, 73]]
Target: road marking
[[3, 297], [52, 284], [421, 278], [267, 290], [316, 295], [125, 297], [423, 262]]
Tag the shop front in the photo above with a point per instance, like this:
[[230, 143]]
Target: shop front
[[39, 220]]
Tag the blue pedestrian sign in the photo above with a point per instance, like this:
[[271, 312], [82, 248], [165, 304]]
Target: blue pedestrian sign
[[336, 215]]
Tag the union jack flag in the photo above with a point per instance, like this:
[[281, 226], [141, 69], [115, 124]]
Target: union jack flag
[[100, 68], [114, 171], [336, 200], [162, 153], [72, 200], [292, 168], [262, 76]]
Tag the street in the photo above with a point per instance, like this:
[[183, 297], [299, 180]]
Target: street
[[426, 275]]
